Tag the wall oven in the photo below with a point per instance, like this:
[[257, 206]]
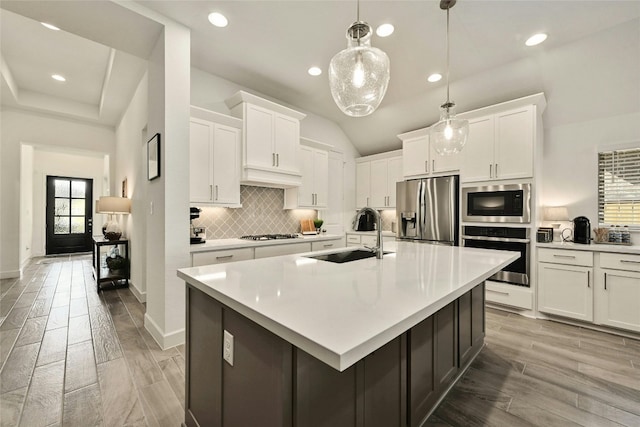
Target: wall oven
[[505, 239], [497, 203]]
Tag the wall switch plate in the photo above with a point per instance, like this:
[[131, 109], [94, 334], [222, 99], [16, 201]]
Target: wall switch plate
[[227, 348]]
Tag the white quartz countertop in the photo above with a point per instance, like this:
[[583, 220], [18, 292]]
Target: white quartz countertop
[[595, 247], [339, 313], [221, 244]]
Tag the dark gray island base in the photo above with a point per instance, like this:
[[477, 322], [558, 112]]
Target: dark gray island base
[[273, 383]]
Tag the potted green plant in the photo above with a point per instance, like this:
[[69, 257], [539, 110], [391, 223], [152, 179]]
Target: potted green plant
[[318, 224]]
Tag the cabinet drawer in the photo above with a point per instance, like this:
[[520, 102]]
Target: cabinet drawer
[[327, 244], [351, 238], [620, 261], [220, 257], [286, 249], [515, 296], [564, 256]]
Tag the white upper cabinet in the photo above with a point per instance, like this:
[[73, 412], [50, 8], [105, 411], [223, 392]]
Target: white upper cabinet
[[314, 191], [270, 141], [500, 146], [214, 153], [419, 158], [376, 181]]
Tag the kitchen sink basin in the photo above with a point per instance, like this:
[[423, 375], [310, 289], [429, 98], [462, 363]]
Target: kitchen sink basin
[[345, 256]]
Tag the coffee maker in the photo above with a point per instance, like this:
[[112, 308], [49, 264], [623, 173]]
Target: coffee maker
[[581, 230], [194, 213]]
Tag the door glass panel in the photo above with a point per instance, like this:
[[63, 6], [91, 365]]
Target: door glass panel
[[62, 188], [77, 207], [62, 207], [77, 224], [78, 189], [61, 225]]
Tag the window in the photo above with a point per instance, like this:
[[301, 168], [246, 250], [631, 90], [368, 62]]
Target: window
[[619, 187]]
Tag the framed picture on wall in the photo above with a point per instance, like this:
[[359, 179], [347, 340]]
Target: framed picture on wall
[[153, 157]]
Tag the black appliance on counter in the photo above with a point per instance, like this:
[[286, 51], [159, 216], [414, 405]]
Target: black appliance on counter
[[365, 221], [194, 235], [581, 230]]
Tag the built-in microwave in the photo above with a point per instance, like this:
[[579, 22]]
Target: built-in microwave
[[497, 203]]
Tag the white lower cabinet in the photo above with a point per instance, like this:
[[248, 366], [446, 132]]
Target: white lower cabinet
[[618, 291], [327, 244], [565, 283], [511, 295], [220, 257]]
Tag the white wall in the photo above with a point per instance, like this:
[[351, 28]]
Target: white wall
[[26, 204], [37, 129], [209, 91], [130, 163], [76, 165]]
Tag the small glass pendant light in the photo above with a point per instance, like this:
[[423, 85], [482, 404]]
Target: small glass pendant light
[[449, 135], [359, 74]]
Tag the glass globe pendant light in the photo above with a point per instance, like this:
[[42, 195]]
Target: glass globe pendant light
[[449, 135], [359, 74]]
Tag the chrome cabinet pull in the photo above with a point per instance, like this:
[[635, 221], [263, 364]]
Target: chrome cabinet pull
[[605, 281], [564, 256], [433, 165], [277, 159], [216, 192], [490, 170], [224, 257], [329, 245], [496, 170], [588, 278], [210, 192], [273, 159], [498, 292], [628, 261], [426, 165]]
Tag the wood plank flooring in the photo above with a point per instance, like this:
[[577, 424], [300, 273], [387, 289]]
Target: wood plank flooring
[[71, 357]]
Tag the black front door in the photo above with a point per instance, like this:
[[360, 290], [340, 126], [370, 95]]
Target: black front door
[[69, 215]]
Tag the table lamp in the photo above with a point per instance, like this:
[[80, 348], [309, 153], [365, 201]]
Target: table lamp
[[554, 215], [113, 205]]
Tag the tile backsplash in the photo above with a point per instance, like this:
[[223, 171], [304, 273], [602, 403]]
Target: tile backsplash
[[261, 213]]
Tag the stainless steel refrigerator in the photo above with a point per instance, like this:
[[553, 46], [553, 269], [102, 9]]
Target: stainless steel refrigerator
[[427, 210]]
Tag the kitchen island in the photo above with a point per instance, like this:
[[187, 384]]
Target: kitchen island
[[365, 343]]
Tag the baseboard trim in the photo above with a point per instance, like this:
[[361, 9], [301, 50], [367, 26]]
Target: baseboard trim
[[140, 296], [11, 274], [165, 341]]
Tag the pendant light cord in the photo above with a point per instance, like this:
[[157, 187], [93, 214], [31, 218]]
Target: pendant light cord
[[448, 55], [358, 18]]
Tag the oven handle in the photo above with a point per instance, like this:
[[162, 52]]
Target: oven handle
[[496, 239]]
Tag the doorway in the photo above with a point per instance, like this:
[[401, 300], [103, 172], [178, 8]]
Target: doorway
[[69, 215]]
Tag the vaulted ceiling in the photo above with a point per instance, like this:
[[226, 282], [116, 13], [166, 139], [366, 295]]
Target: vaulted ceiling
[[269, 45]]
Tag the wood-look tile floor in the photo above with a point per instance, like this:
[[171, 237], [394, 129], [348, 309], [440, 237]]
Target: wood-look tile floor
[[72, 357]]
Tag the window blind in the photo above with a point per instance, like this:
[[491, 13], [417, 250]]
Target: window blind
[[619, 187]]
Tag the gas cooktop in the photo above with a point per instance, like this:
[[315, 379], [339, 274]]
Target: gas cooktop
[[269, 236]]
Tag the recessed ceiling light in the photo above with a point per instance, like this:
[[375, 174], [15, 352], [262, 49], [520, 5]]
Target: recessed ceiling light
[[315, 71], [218, 19], [58, 77], [435, 77], [536, 39], [384, 30], [50, 26]]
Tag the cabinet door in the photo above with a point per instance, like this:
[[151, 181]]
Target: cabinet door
[[363, 184], [618, 299], [477, 154], [258, 125], [394, 174], [514, 144], [379, 183], [286, 142], [565, 290], [306, 190], [415, 156], [226, 165], [200, 157], [441, 164], [321, 177]]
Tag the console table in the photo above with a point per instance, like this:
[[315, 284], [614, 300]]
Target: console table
[[119, 278]]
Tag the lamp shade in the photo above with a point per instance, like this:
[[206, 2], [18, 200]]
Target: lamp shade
[[109, 204], [556, 213]]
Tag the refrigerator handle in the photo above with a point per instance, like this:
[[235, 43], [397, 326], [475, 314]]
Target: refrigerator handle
[[421, 212]]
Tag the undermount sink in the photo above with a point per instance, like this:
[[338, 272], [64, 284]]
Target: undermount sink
[[345, 256]]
